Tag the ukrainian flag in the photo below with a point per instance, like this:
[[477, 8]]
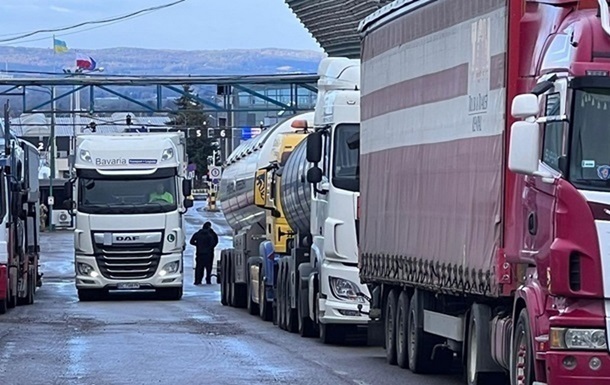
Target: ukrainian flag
[[59, 46]]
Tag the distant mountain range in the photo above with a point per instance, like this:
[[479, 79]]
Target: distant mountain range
[[137, 61]]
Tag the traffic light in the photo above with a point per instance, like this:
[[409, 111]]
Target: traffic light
[[93, 127], [128, 120], [217, 159], [210, 160]]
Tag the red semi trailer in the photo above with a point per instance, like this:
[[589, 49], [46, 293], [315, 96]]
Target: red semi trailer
[[485, 187]]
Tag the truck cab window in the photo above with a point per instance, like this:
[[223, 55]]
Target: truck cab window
[[553, 147], [589, 156], [345, 162]]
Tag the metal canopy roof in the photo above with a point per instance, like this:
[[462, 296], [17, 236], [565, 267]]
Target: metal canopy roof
[[334, 23]]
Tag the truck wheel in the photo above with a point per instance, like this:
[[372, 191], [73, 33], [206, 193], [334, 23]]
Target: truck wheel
[[306, 326], [402, 317], [3, 305], [251, 306], [281, 314], [421, 343], [88, 295], [477, 362], [390, 328], [31, 289], [522, 357], [170, 293], [292, 324], [12, 300], [224, 297], [264, 308]]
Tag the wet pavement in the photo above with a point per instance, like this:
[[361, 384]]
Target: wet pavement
[[138, 340]]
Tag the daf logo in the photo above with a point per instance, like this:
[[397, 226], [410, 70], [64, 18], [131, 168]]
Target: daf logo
[[126, 238]]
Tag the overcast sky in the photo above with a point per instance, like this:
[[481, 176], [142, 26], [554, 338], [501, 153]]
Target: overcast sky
[[192, 25]]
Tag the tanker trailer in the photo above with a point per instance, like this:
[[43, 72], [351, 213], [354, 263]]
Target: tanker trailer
[[247, 220]]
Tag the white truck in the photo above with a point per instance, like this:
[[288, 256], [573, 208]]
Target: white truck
[[337, 301], [308, 272], [129, 196]]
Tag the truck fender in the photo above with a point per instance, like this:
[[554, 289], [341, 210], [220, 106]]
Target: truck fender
[[531, 297], [305, 271], [312, 284], [316, 256]]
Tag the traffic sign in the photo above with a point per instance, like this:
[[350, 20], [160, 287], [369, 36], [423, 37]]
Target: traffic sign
[[215, 172]]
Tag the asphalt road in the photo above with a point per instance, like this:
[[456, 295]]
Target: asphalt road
[[138, 340]]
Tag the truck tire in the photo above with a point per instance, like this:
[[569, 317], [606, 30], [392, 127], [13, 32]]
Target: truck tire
[[331, 334], [88, 295], [292, 324], [281, 313], [3, 305], [402, 317], [251, 306], [421, 343], [522, 357], [224, 295], [305, 325], [265, 310], [479, 364], [390, 328]]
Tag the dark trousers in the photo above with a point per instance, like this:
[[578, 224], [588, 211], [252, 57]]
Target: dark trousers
[[204, 262]]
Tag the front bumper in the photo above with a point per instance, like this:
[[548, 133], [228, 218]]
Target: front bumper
[[156, 281], [337, 311], [582, 374]]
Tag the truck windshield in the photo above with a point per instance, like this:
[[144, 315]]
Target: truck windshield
[[126, 196], [346, 160], [589, 155]]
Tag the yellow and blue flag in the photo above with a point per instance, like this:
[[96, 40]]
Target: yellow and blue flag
[[59, 46]]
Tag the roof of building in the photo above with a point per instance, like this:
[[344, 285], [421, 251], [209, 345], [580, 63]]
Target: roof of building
[[334, 23]]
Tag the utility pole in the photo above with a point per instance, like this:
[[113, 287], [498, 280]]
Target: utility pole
[[52, 176]]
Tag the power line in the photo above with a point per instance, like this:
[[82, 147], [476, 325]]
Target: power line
[[103, 21], [79, 31]]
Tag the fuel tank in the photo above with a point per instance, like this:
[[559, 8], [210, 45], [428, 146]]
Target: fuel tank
[[236, 190], [295, 192]]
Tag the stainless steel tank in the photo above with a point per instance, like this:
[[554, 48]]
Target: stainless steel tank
[[236, 190], [295, 193]]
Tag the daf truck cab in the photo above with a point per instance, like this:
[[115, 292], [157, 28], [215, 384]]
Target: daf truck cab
[[129, 196]]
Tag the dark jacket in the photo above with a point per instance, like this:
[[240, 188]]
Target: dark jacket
[[205, 240]]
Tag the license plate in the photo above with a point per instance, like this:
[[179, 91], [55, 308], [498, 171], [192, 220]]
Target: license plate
[[128, 286]]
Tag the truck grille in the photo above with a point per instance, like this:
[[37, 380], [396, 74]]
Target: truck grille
[[128, 262]]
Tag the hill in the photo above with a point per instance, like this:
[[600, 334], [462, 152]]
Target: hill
[[136, 61]]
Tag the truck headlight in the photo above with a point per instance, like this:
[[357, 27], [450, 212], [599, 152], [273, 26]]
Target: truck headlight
[[167, 154], [85, 156], [578, 339], [170, 268], [84, 269], [345, 290]]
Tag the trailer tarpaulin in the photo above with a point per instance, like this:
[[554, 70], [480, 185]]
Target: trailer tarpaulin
[[433, 105]]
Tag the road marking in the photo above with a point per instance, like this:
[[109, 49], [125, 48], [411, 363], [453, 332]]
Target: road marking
[[360, 382]]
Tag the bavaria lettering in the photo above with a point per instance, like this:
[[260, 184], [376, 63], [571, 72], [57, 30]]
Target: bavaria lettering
[[110, 162]]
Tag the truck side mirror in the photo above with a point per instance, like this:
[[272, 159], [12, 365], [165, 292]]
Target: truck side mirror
[[525, 106], [314, 147], [186, 187], [524, 154], [314, 175], [188, 203]]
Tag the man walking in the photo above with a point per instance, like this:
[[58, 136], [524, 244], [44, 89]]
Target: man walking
[[205, 240]]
